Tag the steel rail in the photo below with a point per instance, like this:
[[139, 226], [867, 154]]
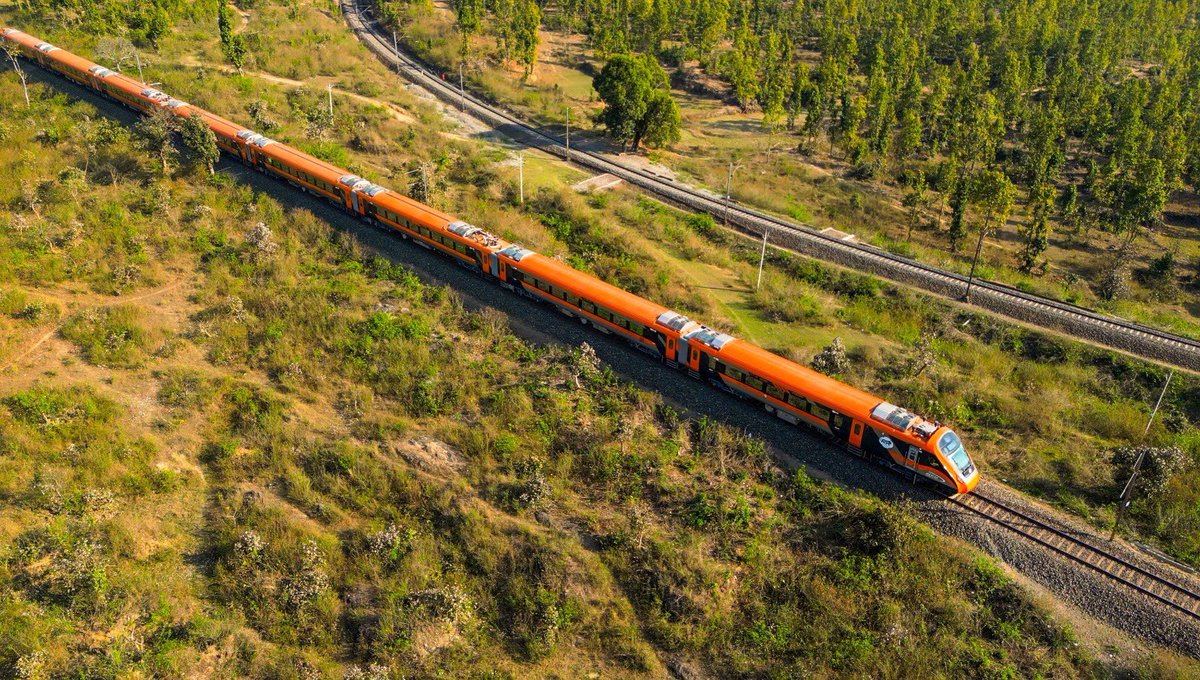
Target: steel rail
[[1179, 597], [1128, 336]]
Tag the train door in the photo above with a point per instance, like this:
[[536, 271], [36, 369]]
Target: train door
[[497, 267], [669, 355], [856, 435], [840, 425], [910, 459], [354, 203], [693, 360]]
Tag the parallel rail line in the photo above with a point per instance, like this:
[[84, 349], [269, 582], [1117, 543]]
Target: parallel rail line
[[1165, 590], [1128, 336]]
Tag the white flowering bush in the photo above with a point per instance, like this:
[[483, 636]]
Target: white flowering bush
[[392, 544]]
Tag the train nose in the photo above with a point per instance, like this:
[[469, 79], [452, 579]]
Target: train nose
[[969, 483]]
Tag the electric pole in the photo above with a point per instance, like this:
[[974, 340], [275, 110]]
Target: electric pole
[[329, 90], [1126, 498], [974, 261], [462, 91], [521, 175], [762, 257], [728, 188], [139, 65], [568, 134]]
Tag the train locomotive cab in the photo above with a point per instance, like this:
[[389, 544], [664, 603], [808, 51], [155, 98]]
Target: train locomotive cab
[[924, 447], [954, 456]]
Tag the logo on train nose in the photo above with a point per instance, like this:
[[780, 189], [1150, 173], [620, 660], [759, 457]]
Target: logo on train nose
[[886, 442]]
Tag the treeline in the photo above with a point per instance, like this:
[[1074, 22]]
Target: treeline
[[1083, 112]]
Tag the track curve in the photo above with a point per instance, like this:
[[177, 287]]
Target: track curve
[[1130, 337]]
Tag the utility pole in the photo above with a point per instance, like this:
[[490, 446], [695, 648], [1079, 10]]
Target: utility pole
[[329, 90], [521, 175], [394, 48], [139, 65], [974, 261], [1126, 498], [728, 186], [762, 257], [568, 134], [462, 91]]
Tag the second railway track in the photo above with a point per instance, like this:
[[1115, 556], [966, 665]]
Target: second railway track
[[1137, 339], [1173, 593]]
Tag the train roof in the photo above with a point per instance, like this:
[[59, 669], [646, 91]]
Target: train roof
[[21, 37], [220, 125], [70, 59], [410, 209], [297, 158], [788, 374], [587, 286]]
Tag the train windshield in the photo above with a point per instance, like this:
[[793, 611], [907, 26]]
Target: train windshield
[[952, 446]]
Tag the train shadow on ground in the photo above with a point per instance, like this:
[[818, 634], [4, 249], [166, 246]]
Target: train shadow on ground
[[538, 323]]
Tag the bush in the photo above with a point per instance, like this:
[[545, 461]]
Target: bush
[[110, 336]]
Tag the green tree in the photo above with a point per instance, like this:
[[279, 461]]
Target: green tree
[[636, 103], [527, 17], [661, 125], [958, 213], [224, 22], [915, 200], [1141, 195], [200, 142], [742, 68], [1042, 197], [468, 19], [993, 193], [155, 132], [235, 51]]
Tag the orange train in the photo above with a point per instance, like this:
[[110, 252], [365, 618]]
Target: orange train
[[864, 424]]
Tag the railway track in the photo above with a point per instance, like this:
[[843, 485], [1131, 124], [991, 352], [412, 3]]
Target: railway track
[[1133, 338], [1174, 594]]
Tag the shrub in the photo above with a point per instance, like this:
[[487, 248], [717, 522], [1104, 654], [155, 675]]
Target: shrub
[[1159, 465], [110, 336], [832, 360]]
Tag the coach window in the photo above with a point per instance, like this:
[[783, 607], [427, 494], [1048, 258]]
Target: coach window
[[857, 429], [797, 401], [775, 392], [756, 382], [820, 411]]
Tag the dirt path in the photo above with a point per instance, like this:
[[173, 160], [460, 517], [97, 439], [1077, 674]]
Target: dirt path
[[58, 327], [395, 111]]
